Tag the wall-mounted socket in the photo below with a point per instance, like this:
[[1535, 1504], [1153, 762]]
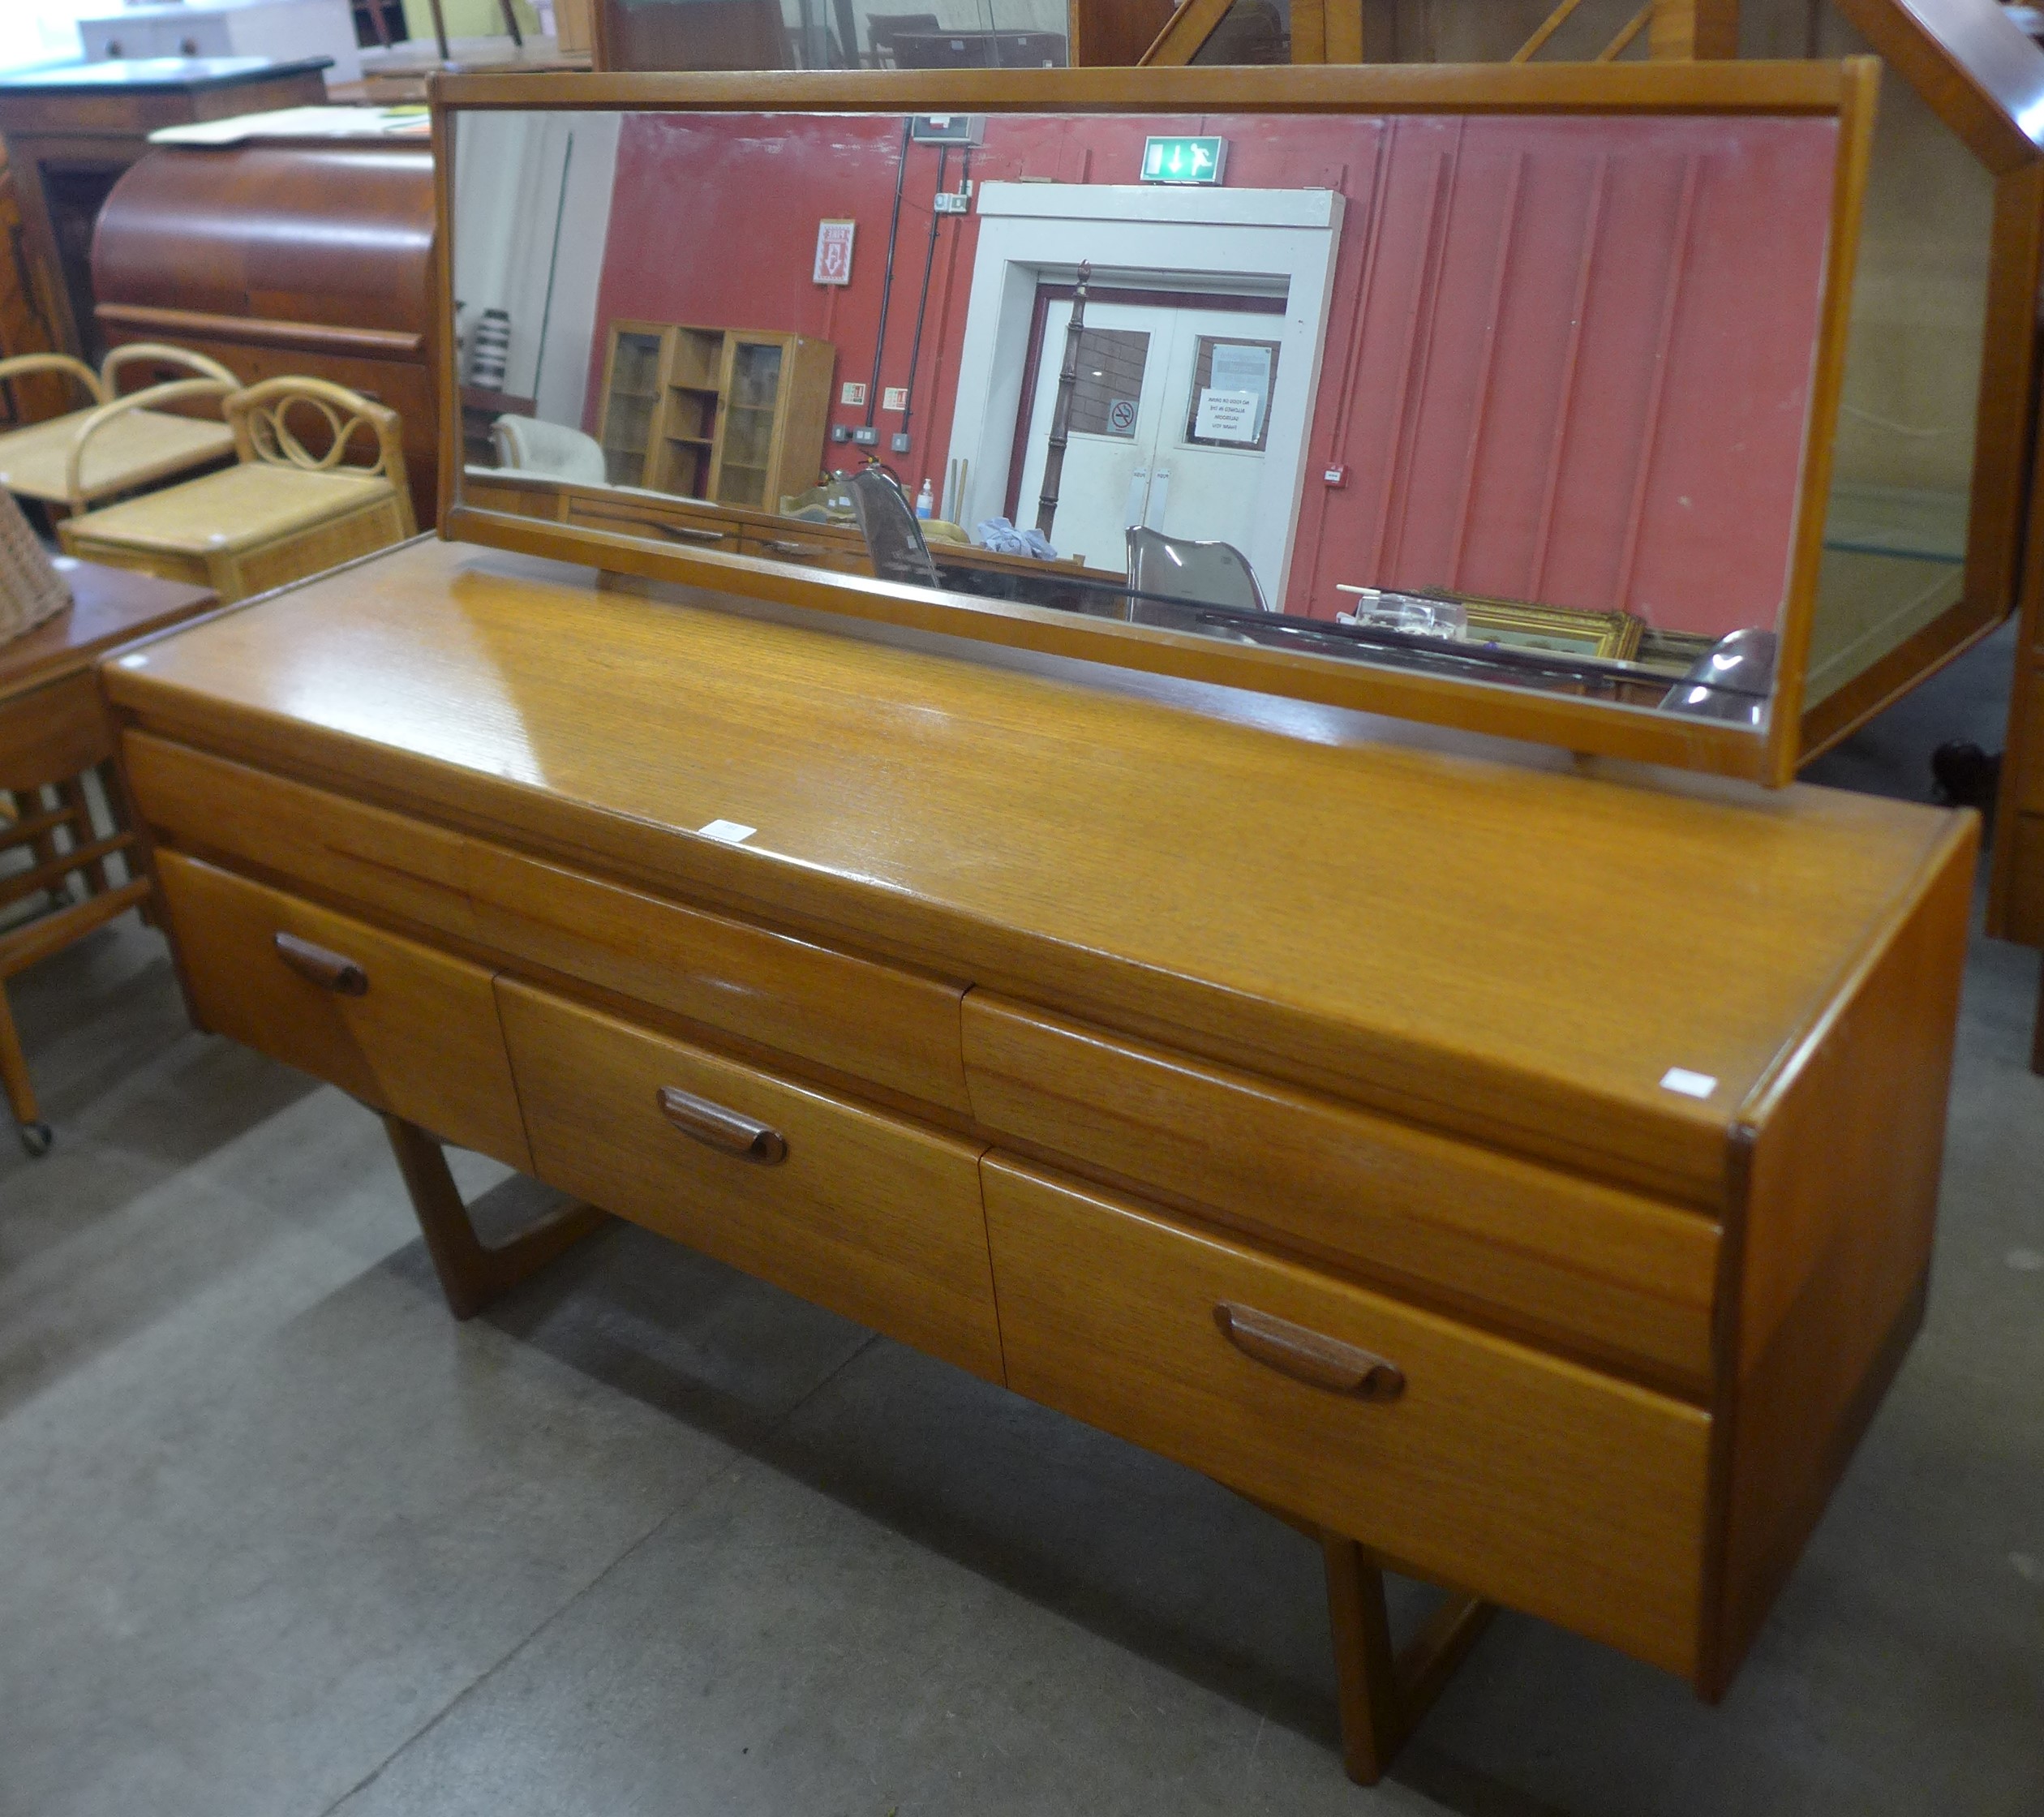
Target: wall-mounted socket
[[840, 432], [866, 435], [899, 441]]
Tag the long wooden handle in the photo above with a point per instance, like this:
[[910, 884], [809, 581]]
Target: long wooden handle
[[331, 971], [716, 1127], [1310, 1357]]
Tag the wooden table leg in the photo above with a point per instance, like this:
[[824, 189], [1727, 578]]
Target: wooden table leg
[[472, 1273], [1384, 1695], [20, 1088], [2037, 1027]]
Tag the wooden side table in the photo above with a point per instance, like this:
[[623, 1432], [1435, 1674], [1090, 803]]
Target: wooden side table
[[53, 729], [71, 130]]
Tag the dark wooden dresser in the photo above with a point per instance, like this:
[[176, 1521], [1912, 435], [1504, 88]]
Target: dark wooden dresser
[[276, 257]]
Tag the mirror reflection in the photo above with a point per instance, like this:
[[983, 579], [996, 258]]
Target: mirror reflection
[[1517, 401]]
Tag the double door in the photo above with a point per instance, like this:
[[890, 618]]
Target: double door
[[1169, 427]]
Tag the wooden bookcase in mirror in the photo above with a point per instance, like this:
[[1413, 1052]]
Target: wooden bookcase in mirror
[[1231, 405], [733, 416]]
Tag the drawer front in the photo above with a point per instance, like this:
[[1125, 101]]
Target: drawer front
[[2028, 781], [404, 866], [685, 529], [811, 546], [419, 1036], [868, 1215], [1550, 1489], [520, 499], [1607, 1272], [892, 1027], [2025, 862]]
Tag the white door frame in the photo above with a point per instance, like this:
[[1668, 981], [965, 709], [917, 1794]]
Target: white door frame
[[1141, 237]]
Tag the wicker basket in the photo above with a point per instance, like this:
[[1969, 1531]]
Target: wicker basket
[[30, 588]]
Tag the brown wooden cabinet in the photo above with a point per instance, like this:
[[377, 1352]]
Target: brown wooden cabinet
[[1185, 1075], [72, 130], [732, 415]]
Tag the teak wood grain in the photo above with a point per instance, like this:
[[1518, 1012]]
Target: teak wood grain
[[382, 860], [1516, 1475], [1327, 912], [422, 1041], [867, 1214], [897, 1029], [1332, 1066], [1577, 1262]]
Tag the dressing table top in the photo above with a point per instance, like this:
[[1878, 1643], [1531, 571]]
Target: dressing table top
[[1522, 951]]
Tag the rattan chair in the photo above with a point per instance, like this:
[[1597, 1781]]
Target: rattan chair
[[132, 444], [320, 479]]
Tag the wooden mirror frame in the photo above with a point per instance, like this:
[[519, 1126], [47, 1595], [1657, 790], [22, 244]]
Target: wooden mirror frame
[[1842, 90], [1979, 77]]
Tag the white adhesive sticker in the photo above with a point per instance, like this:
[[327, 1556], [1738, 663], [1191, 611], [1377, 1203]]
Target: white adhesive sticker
[[732, 832], [1690, 1084]]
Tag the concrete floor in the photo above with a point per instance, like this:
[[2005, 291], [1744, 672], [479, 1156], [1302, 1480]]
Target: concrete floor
[[278, 1537]]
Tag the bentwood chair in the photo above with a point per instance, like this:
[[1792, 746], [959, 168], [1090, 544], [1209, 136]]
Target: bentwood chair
[[132, 445], [320, 479]]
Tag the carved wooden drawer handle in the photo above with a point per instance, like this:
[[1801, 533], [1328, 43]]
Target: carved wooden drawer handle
[[1307, 1356], [331, 971], [716, 1127]]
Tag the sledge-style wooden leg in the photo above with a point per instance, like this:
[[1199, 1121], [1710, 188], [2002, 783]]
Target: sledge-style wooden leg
[[473, 1272], [2037, 1029], [1384, 1695]]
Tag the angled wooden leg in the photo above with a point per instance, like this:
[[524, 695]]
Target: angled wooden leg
[[473, 1272], [1366, 1670], [20, 1088], [1384, 1695], [2036, 1028]]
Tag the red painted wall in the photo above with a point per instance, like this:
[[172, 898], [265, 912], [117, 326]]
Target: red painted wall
[[1567, 360]]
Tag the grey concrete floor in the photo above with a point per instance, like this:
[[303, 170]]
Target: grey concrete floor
[[277, 1536]]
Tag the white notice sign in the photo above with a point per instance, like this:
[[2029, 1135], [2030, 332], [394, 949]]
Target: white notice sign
[[1226, 416]]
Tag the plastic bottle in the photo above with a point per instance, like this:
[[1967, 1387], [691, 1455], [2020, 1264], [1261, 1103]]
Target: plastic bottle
[[926, 502]]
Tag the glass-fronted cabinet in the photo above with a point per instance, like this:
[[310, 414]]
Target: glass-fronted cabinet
[[731, 415]]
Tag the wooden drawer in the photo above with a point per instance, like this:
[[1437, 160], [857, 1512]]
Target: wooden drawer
[[814, 546], [420, 1039], [675, 523], [521, 497], [2025, 860], [1550, 1487], [2028, 781], [385, 860], [895, 1029], [866, 1214], [1605, 1272]]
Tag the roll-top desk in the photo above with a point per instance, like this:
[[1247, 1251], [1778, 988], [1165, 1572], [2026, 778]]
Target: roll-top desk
[[1518, 1172]]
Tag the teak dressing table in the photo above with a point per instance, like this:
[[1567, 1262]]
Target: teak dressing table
[[1179, 1074], [1514, 1169]]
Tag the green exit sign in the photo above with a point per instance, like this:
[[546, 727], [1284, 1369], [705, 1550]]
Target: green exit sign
[[1184, 161]]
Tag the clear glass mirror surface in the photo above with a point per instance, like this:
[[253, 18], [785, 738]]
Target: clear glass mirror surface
[[1518, 400]]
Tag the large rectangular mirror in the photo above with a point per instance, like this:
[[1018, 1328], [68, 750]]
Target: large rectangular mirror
[[1499, 398]]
